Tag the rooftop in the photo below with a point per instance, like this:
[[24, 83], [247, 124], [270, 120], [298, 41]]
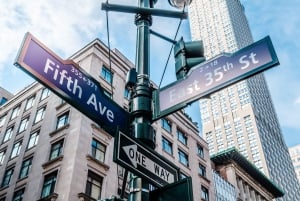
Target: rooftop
[[233, 155]]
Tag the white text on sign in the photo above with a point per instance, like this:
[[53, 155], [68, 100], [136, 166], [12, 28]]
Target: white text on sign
[[138, 158], [212, 73], [62, 77]]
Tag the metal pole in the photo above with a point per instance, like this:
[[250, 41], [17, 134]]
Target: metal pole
[[141, 102]]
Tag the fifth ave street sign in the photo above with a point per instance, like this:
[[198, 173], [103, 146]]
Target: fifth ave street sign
[[71, 83], [144, 162], [213, 75]]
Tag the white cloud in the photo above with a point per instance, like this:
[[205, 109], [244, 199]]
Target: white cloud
[[297, 101], [63, 25]]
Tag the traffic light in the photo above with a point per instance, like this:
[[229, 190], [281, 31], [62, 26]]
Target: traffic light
[[187, 55], [181, 190]]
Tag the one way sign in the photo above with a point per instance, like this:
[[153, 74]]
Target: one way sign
[[144, 162]]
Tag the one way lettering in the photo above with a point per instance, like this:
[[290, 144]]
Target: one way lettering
[[162, 173], [138, 159]]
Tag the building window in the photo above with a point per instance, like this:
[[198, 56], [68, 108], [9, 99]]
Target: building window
[[126, 93], [2, 120], [33, 139], [94, 185], [98, 150], [56, 150], [182, 176], [62, 120], [40, 114], [204, 193], [167, 146], [25, 168], [183, 158], [18, 195], [30, 103], [106, 74], [3, 100], [16, 149], [2, 156], [23, 125], [15, 112], [8, 134], [200, 151], [181, 137], [49, 184], [202, 170], [45, 93], [62, 101], [166, 124], [106, 93], [7, 177]]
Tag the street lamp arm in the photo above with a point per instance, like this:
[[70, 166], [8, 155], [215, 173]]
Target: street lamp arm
[[163, 37], [143, 11]]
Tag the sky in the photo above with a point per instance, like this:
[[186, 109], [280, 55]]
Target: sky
[[67, 26]]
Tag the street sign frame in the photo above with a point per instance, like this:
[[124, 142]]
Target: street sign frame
[[211, 76], [72, 83], [121, 158]]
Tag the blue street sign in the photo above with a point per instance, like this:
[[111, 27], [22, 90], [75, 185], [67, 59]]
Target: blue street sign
[[71, 83], [146, 163], [213, 75]]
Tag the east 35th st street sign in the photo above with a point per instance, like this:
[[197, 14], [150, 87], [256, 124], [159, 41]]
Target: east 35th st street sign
[[71, 83], [144, 162], [214, 75]]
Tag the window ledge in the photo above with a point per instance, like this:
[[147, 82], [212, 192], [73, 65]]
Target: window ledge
[[22, 179], [51, 197], [168, 153], [60, 129], [200, 156], [184, 165], [85, 197], [61, 105], [204, 177], [98, 128], [4, 187], [59, 158], [91, 158]]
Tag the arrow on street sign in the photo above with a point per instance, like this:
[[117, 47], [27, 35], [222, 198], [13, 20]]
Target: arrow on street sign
[[144, 162], [213, 75], [71, 83]]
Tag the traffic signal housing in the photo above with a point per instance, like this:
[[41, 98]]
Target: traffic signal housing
[[187, 55]]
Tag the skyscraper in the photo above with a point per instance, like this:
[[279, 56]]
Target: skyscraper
[[295, 155], [241, 115]]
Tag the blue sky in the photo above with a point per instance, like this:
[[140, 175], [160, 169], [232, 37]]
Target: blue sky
[[66, 26]]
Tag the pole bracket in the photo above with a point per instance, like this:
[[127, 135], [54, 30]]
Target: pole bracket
[[144, 11]]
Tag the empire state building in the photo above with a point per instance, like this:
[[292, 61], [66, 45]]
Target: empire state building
[[241, 115]]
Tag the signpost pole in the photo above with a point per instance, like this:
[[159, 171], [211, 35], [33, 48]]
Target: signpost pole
[[140, 110], [141, 101]]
